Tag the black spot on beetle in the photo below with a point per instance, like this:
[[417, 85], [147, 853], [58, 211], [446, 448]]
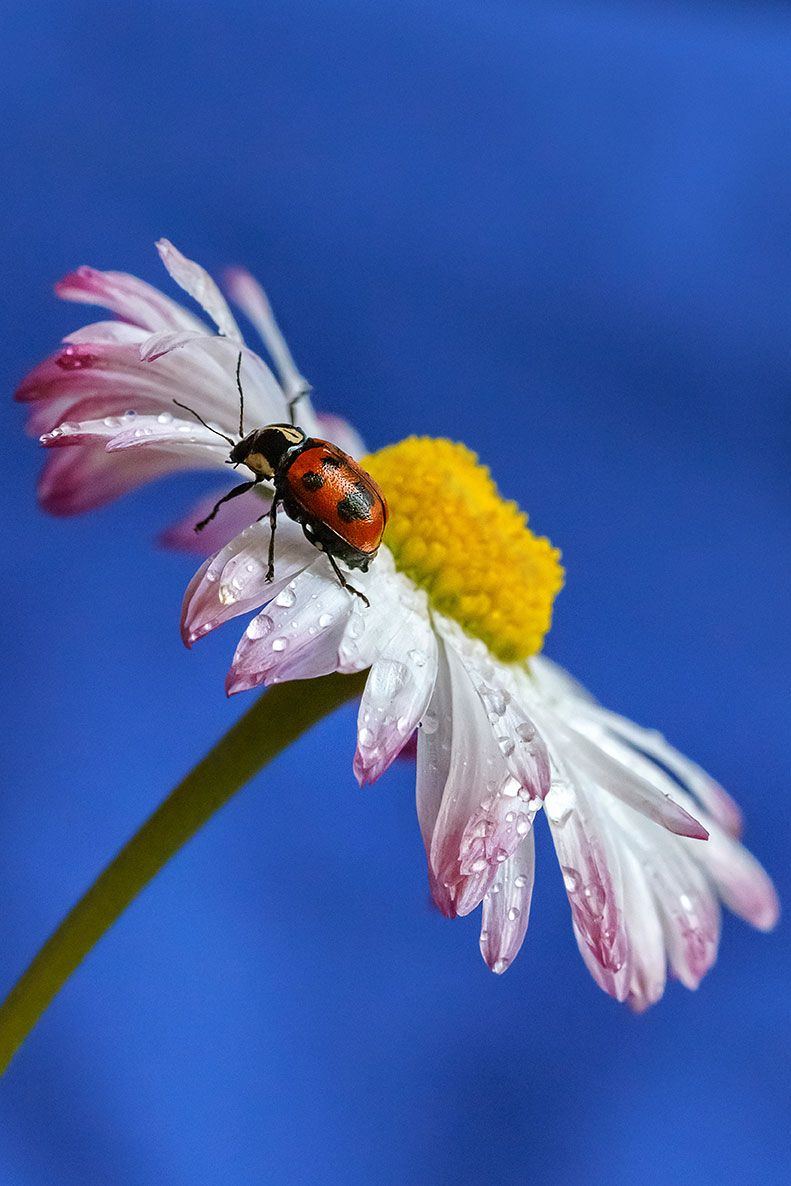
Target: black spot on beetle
[[356, 504], [312, 480], [331, 462]]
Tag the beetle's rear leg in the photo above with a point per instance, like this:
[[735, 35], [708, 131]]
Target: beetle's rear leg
[[344, 582]]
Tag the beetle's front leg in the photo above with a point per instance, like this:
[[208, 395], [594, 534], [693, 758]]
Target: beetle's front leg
[[270, 572]]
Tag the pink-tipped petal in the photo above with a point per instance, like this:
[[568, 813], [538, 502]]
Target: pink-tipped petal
[[433, 763], [129, 298], [620, 772], [298, 634], [744, 886], [520, 744], [84, 477], [506, 908], [648, 965], [482, 817], [592, 877], [196, 281], [231, 519], [714, 799], [397, 691], [234, 581]]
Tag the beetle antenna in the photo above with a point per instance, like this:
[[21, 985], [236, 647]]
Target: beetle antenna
[[241, 395], [216, 431]]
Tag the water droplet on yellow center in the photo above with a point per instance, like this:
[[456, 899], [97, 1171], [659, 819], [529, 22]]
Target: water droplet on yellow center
[[451, 531]]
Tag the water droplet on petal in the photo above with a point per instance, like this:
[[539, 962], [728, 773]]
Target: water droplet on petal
[[571, 879], [417, 657], [279, 644], [325, 620], [520, 882], [286, 597], [430, 723], [513, 914]]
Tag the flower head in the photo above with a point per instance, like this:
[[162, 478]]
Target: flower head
[[459, 600]]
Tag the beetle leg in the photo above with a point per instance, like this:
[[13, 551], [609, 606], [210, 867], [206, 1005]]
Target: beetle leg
[[343, 580], [270, 572], [237, 490]]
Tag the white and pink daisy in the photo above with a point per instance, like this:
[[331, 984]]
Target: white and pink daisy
[[648, 843]]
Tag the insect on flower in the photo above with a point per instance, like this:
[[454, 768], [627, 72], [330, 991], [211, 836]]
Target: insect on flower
[[339, 506]]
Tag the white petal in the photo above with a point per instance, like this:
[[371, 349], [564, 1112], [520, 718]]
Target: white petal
[[248, 294], [396, 693], [620, 772], [519, 742], [196, 281], [433, 763], [234, 581], [172, 435], [592, 877], [648, 965], [506, 908], [482, 818], [708, 792], [127, 297], [297, 636]]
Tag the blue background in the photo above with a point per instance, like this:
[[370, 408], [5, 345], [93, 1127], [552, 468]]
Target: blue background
[[562, 233]]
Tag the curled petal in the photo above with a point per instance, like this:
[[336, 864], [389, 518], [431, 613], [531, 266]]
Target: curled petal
[[397, 691], [520, 744], [648, 965], [234, 581], [297, 636], [129, 298], [592, 877], [196, 281], [506, 908], [621, 772], [482, 817], [433, 764], [715, 800]]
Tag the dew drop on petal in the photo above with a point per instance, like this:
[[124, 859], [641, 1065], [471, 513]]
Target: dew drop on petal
[[286, 597], [559, 803], [430, 723], [520, 882], [513, 914], [596, 899], [279, 644], [571, 879], [260, 626], [325, 620], [417, 657]]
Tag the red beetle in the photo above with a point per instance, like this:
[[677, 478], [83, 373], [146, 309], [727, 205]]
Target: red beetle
[[340, 507]]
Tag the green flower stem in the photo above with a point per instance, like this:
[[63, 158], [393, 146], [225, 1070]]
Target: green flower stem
[[279, 717]]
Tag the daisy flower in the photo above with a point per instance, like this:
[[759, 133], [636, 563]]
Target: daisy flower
[[647, 843]]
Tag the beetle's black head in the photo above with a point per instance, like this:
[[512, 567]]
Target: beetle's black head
[[264, 449]]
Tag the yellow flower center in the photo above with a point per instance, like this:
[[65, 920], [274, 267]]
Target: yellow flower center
[[453, 533]]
